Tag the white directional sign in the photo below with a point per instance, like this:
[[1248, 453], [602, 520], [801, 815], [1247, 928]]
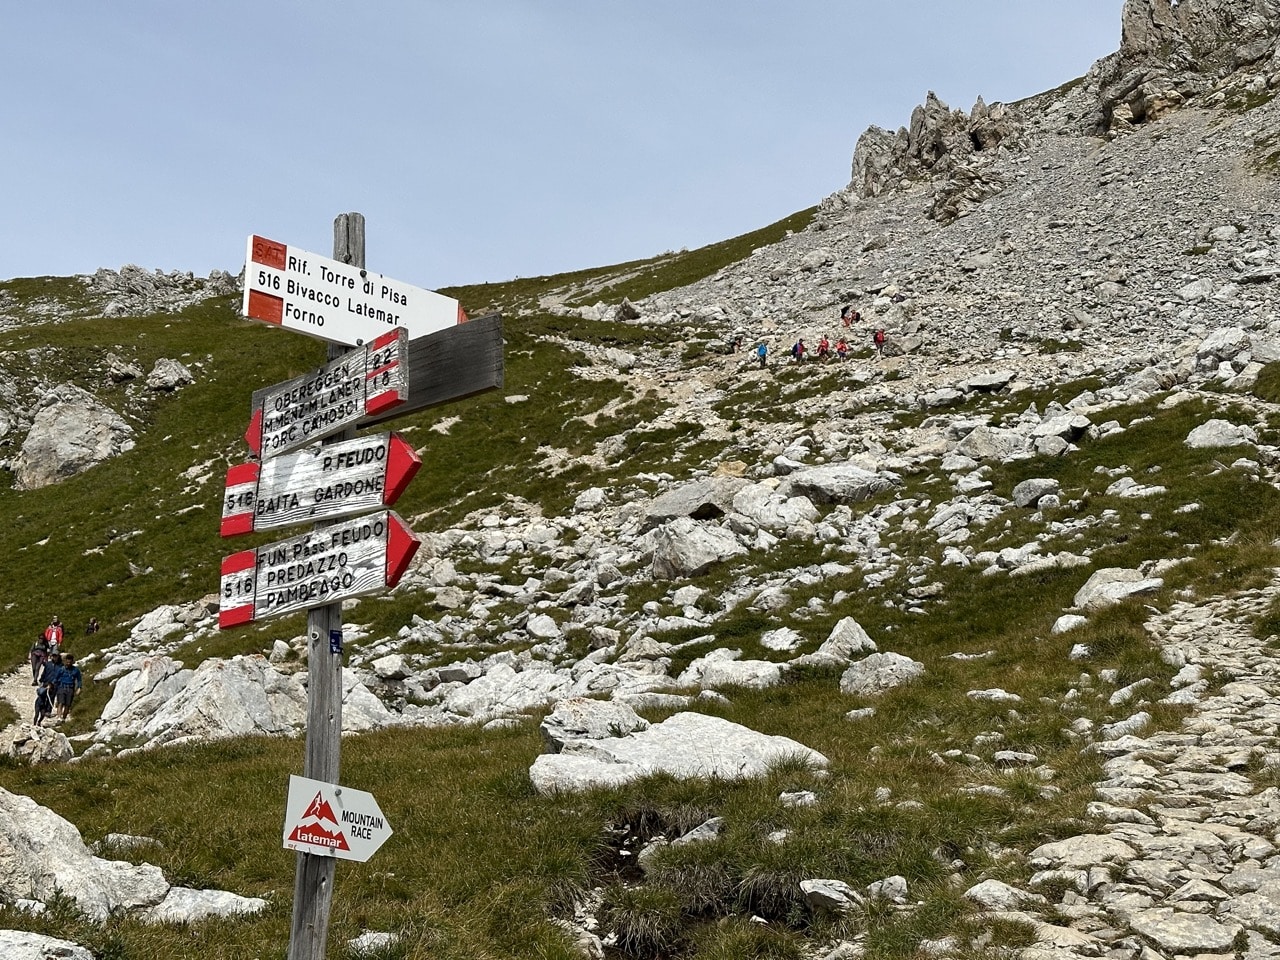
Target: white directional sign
[[364, 381], [319, 483], [336, 301], [333, 821], [350, 558]]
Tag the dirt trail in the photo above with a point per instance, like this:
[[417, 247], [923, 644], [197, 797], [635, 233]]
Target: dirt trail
[[16, 689]]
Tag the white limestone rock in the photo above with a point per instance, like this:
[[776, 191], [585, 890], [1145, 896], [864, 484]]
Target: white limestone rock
[[1111, 585], [879, 672], [70, 433], [846, 640], [185, 905], [838, 483], [168, 375], [686, 548], [582, 718], [20, 945], [1220, 433], [41, 853], [686, 746], [38, 745]]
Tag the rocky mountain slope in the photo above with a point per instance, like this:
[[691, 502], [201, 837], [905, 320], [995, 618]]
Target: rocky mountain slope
[[1006, 593]]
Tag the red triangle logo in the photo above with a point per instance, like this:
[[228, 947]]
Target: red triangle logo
[[312, 830], [319, 809]]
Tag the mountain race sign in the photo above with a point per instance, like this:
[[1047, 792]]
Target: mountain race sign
[[333, 821]]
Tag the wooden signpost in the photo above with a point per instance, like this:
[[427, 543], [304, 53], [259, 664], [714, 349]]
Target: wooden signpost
[[334, 482], [318, 483]]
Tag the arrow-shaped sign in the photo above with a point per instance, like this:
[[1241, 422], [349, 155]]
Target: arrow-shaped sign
[[350, 558], [365, 381], [333, 821], [319, 483], [336, 301]]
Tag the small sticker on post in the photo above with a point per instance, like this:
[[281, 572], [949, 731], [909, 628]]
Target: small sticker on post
[[335, 641]]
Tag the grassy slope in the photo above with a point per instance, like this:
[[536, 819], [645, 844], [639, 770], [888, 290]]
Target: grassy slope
[[478, 861]]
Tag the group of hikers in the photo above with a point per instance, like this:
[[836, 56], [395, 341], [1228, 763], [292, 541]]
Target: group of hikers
[[54, 673], [825, 350]]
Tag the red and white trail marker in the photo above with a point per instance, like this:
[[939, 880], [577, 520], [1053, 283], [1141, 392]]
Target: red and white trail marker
[[336, 301], [366, 381], [333, 821], [318, 483], [350, 558]]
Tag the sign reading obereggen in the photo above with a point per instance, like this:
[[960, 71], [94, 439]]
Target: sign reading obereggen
[[296, 413]]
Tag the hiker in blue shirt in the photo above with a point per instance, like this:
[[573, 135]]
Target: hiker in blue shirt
[[70, 681], [762, 352], [51, 671], [44, 705]]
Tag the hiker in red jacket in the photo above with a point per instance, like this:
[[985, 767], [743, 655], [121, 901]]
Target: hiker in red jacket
[[53, 635], [878, 339]]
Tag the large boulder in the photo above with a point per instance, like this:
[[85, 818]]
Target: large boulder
[[582, 718], [847, 638], [1110, 585], [686, 746], [42, 854], [686, 548], [70, 433], [707, 499], [168, 375], [20, 945], [185, 905], [837, 483], [1220, 433], [765, 506], [723, 668], [993, 443], [38, 745], [878, 673]]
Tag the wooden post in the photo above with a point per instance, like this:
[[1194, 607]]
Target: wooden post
[[313, 880]]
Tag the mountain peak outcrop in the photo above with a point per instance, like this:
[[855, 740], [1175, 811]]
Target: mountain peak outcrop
[[1171, 52]]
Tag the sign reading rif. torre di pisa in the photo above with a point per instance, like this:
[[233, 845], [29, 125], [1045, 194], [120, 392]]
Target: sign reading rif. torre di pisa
[[414, 349], [336, 301]]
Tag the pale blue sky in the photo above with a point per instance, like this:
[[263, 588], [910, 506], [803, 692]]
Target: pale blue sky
[[481, 140]]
